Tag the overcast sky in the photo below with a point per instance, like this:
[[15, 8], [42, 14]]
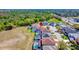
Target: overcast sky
[[39, 4]]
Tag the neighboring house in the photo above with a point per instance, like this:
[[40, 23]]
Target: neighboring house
[[65, 19], [45, 23], [73, 36], [48, 44], [52, 24], [38, 31], [37, 26], [74, 20], [43, 28], [62, 25], [48, 41], [58, 36], [52, 29], [67, 30], [40, 24], [46, 34]]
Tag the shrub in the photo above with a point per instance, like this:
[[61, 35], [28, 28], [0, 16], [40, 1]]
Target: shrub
[[62, 45]]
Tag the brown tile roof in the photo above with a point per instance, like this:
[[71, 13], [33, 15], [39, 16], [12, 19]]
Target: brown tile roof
[[48, 41]]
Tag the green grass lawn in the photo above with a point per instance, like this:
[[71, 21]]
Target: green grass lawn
[[64, 37], [54, 20]]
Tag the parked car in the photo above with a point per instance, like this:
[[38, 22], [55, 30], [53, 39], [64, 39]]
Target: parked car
[[37, 45]]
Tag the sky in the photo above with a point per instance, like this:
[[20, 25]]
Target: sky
[[39, 4]]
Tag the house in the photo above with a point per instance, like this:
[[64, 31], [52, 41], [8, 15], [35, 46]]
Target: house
[[73, 36], [45, 23], [48, 41], [71, 21], [40, 23], [46, 34], [48, 44], [37, 26], [38, 31], [62, 25], [67, 30], [65, 19], [52, 24], [52, 29], [43, 28], [76, 20], [57, 36]]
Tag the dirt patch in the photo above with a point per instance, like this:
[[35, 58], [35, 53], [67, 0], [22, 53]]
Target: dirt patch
[[16, 39]]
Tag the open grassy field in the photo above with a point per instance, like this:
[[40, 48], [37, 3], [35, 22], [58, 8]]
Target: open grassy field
[[16, 39], [54, 20]]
